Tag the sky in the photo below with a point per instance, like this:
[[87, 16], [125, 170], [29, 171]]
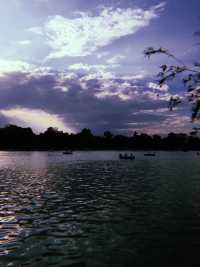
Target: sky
[[80, 64]]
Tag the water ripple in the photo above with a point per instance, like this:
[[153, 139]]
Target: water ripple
[[98, 213]]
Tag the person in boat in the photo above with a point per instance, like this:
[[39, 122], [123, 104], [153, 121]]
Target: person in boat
[[126, 156]]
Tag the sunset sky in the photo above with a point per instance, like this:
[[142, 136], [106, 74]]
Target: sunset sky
[[76, 64]]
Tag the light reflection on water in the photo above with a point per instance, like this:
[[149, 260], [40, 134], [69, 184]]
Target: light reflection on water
[[90, 209]]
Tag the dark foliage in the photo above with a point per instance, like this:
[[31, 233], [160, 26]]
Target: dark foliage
[[190, 77], [16, 138]]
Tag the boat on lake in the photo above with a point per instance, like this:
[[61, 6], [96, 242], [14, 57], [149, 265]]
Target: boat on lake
[[126, 156], [150, 154], [68, 152]]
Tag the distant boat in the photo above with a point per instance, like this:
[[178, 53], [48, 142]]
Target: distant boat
[[127, 157], [150, 154], [68, 152]]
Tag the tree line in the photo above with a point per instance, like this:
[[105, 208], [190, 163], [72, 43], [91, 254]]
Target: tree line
[[13, 137]]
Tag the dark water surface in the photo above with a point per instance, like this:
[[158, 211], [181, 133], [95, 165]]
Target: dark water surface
[[92, 210]]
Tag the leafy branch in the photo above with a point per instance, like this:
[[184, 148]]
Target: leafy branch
[[191, 79]]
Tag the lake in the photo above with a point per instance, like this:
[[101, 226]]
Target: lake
[[90, 209]]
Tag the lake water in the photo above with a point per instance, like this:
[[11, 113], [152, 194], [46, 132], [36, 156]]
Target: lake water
[[91, 210]]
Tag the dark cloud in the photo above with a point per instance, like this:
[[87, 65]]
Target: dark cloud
[[79, 105]]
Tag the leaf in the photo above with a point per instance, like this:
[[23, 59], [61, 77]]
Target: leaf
[[164, 67]]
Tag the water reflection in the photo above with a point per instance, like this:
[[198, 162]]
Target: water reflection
[[9, 232], [58, 211]]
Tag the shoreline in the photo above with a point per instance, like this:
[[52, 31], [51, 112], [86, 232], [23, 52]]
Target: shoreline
[[96, 150]]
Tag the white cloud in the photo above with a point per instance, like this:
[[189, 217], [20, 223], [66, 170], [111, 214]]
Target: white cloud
[[86, 67], [139, 76], [122, 87], [86, 34], [9, 66], [155, 86], [102, 54], [92, 68], [99, 75], [37, 119], [36, 30], [14, 66], [24, 42], [115, 59]]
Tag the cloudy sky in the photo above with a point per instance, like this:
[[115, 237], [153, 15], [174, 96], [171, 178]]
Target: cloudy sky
[[80, 63]]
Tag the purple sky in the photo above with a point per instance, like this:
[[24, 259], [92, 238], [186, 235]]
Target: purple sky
[[80, 63]]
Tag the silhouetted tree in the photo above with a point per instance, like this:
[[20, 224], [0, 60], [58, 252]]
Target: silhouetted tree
[[18, 138], [108, 135], [52, 131], [14, 136], [190, 77], [86, 133]]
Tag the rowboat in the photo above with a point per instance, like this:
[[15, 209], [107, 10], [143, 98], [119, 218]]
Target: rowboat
[[68, 152], [150, 154], [127, 157]]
